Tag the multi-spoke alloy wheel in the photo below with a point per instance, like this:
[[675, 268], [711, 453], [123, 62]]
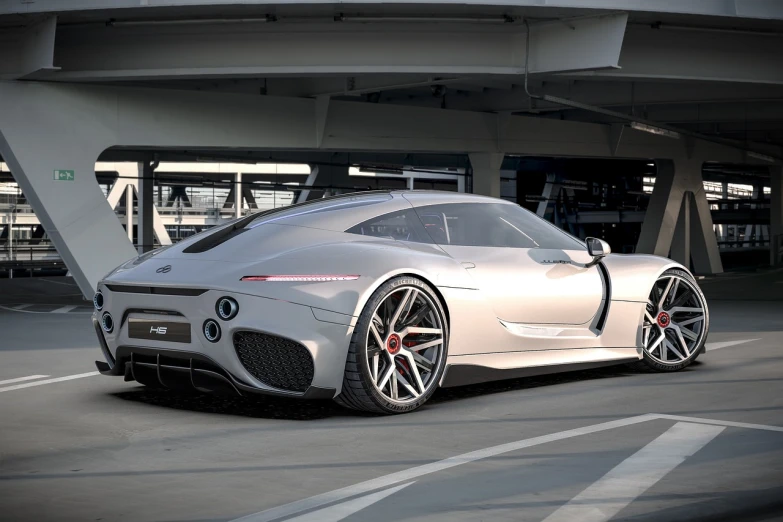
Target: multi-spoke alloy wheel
[[676, 321], [398, 350]]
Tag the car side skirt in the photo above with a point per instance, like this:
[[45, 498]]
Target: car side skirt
[[472, 369]]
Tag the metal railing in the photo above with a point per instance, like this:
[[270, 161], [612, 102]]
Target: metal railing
[[777, 250]]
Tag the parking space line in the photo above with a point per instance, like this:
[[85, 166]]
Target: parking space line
[[22, 379], [362, 488], [728, 424], [307, 504], [344, 510], [64, 309], [606, 497], [725, 344], [70, 309], [47, 381]]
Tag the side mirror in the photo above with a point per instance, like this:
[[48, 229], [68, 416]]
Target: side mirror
[[597, 248]]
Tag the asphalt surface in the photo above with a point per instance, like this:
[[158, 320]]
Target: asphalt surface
[[605, 444]]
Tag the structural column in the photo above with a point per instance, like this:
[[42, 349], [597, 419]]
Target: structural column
[[50, 140], [681, 242], [676, 181], [238, 196], [776, 215], [144, 225], [486, 172], [129, 211], [333, 179]]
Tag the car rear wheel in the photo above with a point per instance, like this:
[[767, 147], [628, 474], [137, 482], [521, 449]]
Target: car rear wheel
[[398, 349], [675, 325]]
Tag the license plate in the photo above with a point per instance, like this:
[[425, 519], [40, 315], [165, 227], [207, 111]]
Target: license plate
[[168, 331]]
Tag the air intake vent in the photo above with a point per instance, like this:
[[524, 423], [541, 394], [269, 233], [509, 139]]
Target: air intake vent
[[275, 361]]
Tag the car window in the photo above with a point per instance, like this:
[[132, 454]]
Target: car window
[[492, 225], [346, 202], [402, 225]]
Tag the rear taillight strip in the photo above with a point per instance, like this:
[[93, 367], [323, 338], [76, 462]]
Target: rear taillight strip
[[314, 278]]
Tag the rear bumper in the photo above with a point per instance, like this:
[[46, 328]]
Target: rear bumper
[[215, 366], [178, 370]]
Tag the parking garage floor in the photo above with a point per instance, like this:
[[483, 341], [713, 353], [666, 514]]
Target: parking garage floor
[[702, 444]]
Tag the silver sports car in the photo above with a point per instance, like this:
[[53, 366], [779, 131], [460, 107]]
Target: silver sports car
[[376, 299]]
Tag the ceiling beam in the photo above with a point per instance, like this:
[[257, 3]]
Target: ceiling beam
[[213, 50], [726, 56], [106, 116], [606, 93], [736, 9]]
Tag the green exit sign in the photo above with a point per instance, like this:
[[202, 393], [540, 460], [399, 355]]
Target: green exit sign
[[63, 175]]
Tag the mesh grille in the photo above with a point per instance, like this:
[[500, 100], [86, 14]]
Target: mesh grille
[[275, 361]]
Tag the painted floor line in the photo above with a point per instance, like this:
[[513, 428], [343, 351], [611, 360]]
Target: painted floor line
[[362, 488], [606, 497], [22, 379], [47, 381], [64, 309], [728, 424], [726, 344], [22, 308], [407, 475], [346, 509]]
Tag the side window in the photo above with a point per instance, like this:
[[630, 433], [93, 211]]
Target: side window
[[402, 225], [492, 225]]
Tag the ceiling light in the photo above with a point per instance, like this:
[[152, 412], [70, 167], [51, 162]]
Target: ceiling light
[[654, 130], [763, 157]]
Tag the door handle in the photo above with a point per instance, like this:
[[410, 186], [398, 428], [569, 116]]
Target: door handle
[[468, 265]]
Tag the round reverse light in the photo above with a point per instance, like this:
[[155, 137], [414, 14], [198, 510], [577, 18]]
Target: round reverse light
[[226, 308], [107, 323], [211, 331], [97, 301]]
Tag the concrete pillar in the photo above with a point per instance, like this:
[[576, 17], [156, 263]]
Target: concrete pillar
[[486, 172], [776, 215], [41, 135], [238, 195], [681, 242], [334, 179], [129, 211], [674, 178], [144, 223], [305, 193]]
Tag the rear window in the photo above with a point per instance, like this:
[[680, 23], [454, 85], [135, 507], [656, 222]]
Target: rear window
[[314, 207], [402, 225]]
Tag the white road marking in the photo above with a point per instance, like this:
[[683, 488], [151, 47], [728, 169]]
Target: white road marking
[[330, 497], [307, 504], [346, 509], [625, 482], [65, 283], [728, 424], [63, 310], [22, 379], [22, 308], [726, 344], [47, 381]]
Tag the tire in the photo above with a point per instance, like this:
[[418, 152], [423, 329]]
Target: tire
[[684, 331], [398, 357]]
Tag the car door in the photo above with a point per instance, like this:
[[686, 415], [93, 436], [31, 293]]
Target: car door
[[530, 272]]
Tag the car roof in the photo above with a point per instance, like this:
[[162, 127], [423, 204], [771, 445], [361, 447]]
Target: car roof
[[339, 213]]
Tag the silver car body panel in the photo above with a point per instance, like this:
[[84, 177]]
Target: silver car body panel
[[507, 307]]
